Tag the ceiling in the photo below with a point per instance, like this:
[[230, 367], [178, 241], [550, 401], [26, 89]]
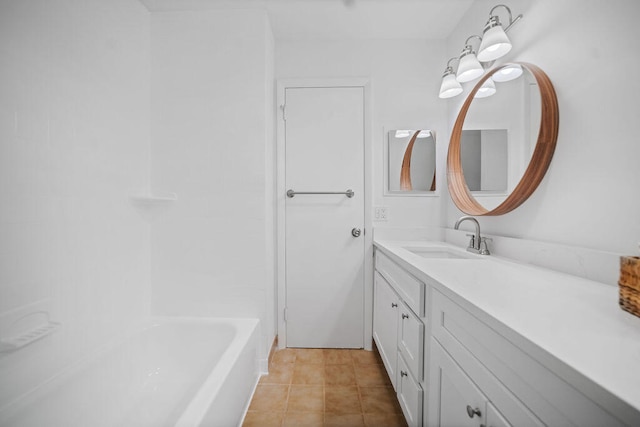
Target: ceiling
[[342, 19]]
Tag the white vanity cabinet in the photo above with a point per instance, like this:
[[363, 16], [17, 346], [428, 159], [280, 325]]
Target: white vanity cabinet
[[479, 378], [468, 343], [399, 333]]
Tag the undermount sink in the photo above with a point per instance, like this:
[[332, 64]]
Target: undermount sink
[[442, 253]]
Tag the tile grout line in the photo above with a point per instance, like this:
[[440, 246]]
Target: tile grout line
[[324, 388], [355, 376], [286, 406]]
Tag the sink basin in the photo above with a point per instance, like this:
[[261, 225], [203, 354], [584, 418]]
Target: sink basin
[[442, 253]]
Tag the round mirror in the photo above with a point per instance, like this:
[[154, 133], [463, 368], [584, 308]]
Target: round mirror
[[503, 140]]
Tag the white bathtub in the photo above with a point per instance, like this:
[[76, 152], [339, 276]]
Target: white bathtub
[[173, 372]]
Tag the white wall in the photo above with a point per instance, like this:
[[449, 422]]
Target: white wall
[[589, 196], [404, 74], [212, 132], [74, 140]]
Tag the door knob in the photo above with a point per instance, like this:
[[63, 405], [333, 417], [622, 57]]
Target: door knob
[[472, 412], [355, 232]]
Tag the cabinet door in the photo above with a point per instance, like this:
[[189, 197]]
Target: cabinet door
[[457, 400], [494, 418], [411, 340], [409, 394], [385, 324]]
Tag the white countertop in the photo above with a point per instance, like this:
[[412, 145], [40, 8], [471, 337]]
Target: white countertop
[[572, 323]]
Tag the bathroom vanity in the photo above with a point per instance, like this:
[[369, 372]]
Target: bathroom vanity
[[472, 340]]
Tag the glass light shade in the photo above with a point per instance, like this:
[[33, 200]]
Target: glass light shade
[[450, 86], [487, 89], [507, 73], [469, 68], [424, 134], [494, 45], [402, 133]]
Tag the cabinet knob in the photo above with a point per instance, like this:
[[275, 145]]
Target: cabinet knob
[[405, 316], [403, 373], [393, 304], [472, 412]]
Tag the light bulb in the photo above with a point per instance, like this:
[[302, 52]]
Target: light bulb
[[488, 88], [507, 73]]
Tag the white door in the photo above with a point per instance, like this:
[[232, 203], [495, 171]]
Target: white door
[[324, 144]]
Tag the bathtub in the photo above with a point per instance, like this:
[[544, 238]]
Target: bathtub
[[170, 372]]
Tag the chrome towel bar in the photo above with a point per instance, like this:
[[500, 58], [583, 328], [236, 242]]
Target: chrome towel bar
[[348, 193]]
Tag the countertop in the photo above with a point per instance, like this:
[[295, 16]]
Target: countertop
[[573, 325]]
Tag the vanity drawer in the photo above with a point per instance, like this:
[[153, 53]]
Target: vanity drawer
[[411, 341], [409, 394], [525, 391], [410, 289]]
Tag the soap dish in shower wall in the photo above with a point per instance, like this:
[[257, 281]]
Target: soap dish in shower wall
[[26, 329]]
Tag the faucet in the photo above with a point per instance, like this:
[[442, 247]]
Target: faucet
[[477, 244]]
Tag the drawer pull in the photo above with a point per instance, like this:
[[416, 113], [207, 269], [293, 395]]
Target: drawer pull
[[473, 412], [405, 316], [403, 373], [393, 305]]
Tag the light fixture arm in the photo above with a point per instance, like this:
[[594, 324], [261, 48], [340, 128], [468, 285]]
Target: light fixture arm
[[466, 42], [449, 68], [512, 21]]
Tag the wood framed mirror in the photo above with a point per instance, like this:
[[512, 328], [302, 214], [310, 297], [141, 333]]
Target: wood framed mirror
[[410, 162], [542, 105]]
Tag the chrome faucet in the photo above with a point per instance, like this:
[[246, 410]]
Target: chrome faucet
[[477, 244]]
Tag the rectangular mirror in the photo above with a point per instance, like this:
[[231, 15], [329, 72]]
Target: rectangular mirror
[[410, 164]]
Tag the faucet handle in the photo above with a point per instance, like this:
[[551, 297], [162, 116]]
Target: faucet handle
[[472, 242], [484, 249]]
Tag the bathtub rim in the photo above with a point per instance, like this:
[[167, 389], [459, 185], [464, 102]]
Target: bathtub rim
[[196, 410], [13, 408]]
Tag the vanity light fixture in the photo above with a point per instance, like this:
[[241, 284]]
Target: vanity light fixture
[[495, 42], [507, 73], [450, 87], [469, 67], [487, 89], [402, 133], [424, 134]]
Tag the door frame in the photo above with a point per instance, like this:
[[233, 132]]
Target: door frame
[[282, 85]]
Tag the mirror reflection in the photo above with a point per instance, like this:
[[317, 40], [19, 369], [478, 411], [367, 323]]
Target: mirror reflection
[[498, 138], [484, 159], [411, 161]]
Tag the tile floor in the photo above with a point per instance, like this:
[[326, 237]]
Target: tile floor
[[325, 387]]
